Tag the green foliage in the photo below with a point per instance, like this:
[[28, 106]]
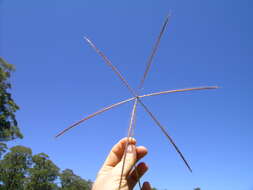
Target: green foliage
[[19, 169], [9, 129], [70, 181], [43, 173], [3, 149], [14, 168]]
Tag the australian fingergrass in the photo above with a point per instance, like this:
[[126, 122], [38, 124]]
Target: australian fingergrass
[[138, 100]]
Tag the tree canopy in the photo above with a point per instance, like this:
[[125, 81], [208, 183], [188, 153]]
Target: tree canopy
[[14, 168], [42, 174], [23, 171], [19, 168], [70, 181], [9, 129]]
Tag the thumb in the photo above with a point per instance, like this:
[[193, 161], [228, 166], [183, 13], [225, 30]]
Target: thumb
[[130, 159]]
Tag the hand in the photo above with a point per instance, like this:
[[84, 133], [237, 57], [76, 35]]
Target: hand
[[108, 177]]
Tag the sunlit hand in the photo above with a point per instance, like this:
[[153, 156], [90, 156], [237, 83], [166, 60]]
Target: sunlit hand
[[108, 177]]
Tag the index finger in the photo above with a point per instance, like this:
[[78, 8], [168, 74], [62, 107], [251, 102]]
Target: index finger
[[117, 152]]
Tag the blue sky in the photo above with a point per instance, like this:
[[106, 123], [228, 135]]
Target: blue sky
[[60, 79]]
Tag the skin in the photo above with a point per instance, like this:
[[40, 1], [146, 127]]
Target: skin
[[108, 177]]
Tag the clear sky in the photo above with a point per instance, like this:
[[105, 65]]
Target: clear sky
[[59, 79]]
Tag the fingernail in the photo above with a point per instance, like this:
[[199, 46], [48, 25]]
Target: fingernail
[[130, 148]]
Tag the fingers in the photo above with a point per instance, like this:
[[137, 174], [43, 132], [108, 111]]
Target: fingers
[[136, 174], [146, 186], [141, 151], [117, 152], [115, 159], [127, 162]]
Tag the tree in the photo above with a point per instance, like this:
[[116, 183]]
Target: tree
[[14, 168], [9, 129], [3, 149], [43, 174], [70, 181], [197, 188], [19, 169]]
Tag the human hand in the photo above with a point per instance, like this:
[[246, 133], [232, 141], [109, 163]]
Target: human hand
[[108, 177]]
